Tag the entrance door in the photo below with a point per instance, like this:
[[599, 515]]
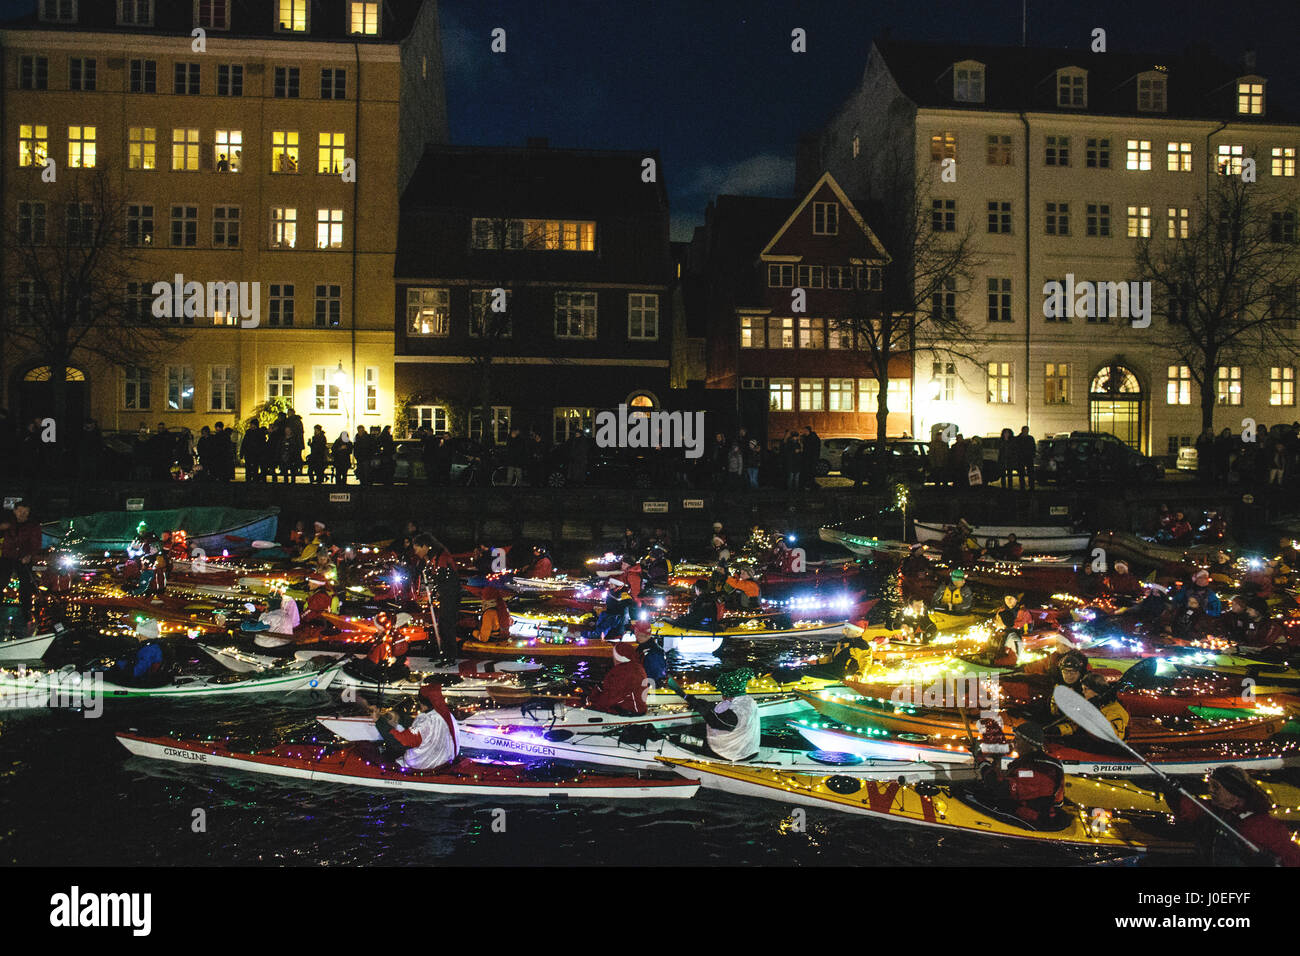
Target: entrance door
[[1116, 405], [36, 398]]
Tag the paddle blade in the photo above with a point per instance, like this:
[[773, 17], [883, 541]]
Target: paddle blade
[[1073, 705], [1141, 674]]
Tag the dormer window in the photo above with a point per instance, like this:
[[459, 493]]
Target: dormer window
[[1151, 89], [212, 14], [59, 11], [1072, 88], [1250, 96], [968, 82], [363, 18], [135, 13], [291, 16]]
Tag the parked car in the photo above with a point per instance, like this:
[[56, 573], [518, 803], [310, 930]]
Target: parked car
[[1094, 457], [606, 468], [465, 453], [907, 459], [832, 451]]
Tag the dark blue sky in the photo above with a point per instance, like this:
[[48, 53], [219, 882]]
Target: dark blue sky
[[713, 85]]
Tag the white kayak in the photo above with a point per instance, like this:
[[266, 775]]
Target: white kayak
[[242, 661], [26, 648], [1036, 539], [608, 750], [1171, 762], [22, 689]]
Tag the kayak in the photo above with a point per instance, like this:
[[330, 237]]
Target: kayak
[[174, 615], [26, 648], [854, 710], [579, 647], [20, 689], [866, 742], [1174, 699], [247, 662], [608, 749], [862, 544], [1122, 544], [214, 530], [359, 765], [1127, 795], [1054, 539], [1042, 576], [930, 805], [760, 688], [756, 629]]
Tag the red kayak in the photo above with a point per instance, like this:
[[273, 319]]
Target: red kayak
[[1173, 700], [360, 765]]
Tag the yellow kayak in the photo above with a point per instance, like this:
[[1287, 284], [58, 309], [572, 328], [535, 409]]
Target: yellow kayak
[[1124, 795]]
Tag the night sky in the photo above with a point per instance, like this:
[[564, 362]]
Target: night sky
[[714, 86]]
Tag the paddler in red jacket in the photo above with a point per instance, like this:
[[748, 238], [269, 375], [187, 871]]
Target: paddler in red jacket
[[1032, 786], [494, 624], [432, 740], [631, 573], [22, 542], [1237, 798], [1121, 583], [626, 688], [542, 565]]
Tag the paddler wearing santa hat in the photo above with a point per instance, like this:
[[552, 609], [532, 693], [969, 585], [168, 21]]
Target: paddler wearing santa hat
[[626, 688], [432, 740]]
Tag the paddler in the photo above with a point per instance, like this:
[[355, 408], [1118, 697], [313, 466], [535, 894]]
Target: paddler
[[653, 658], [541, 566], [1101, 693], [1032, 787], [1234, 795], [626, 688], [432, 740], [1122, 583], [613, 622], [1010, 550], [494, 620], [1010, 625], [917, 617], [732, 728], [956, 596], [630, 571], [704, 608], [1070, 671], [740, 591], [280, 617]]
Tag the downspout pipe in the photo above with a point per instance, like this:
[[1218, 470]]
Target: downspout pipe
[[1029, 294]]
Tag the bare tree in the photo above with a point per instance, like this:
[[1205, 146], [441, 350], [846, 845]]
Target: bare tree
[[1229, 286], [69, 266], [918, 310]]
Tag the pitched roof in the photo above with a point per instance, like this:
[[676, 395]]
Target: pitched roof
[[829, 182], [248, 18], [1200, 86]]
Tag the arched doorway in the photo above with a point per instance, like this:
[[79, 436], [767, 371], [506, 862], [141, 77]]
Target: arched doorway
[[1117, 405], [36, 396]]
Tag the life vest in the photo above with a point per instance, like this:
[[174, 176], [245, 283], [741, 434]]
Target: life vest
[[744, 739]]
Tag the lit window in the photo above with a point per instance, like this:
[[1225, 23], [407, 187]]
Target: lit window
[[840, 395], [812, 333], [999, 383], [1283, 160], [293, 16], [325, 393], [428, 312], [431, 417], [898, 396], [1180, 222], [1230, 159], [1179, 158], [329, 229], [1056, 384], [329, 154], [284, 227], [752, 331], [1281, 385], [1250, 97], [943, 381], [1228, 381], [142, 148], [228, 150], [781, 394], [943, 146], [284, 151], [1139, 222], [81, 147], [1139, 155], [185, 150], [780, 333], [372, 391], [33, 145], [136, 386], [812, 395], [365, 19], [1179, 390]]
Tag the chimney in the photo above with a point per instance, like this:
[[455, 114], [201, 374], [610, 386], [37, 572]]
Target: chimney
[[537, 142]]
